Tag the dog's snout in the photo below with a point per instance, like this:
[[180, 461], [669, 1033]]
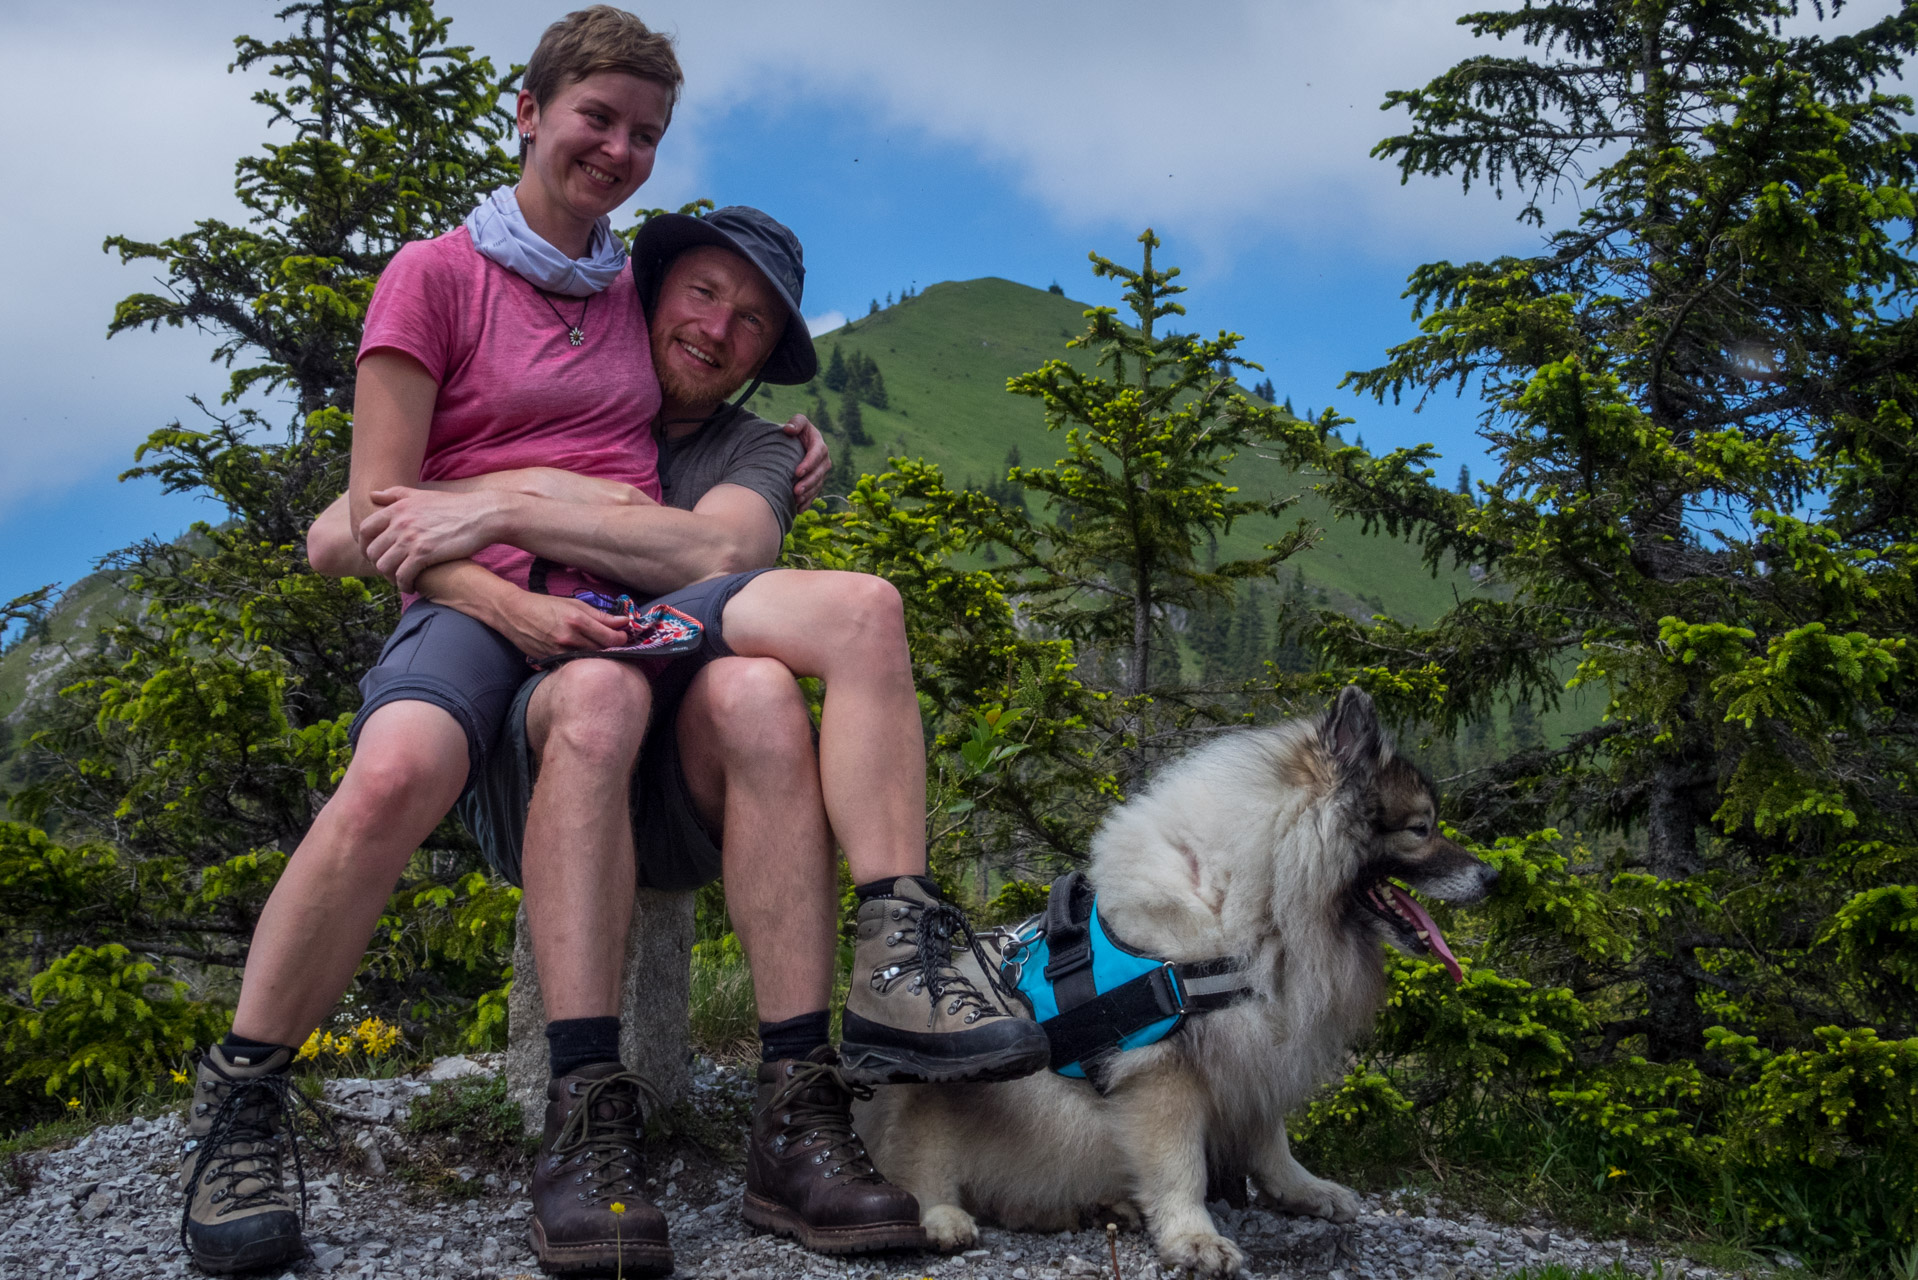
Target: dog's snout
[[1487, 876]]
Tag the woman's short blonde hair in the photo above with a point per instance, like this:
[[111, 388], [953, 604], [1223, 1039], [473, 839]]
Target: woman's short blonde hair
[[602, 38]]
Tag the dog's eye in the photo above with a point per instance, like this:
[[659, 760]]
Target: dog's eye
[[1420, 829]]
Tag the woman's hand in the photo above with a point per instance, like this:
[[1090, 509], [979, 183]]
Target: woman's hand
[[412, 529], [809, 478], [540, 626]]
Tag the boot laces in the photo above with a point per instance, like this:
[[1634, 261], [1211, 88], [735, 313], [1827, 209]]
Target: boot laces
[[605, 1148], [244, 1142], [815, 1105], [939, 924]]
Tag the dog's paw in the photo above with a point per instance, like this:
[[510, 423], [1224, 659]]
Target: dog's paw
[[1320, 1199], [948, 1227], [1204, 1253]]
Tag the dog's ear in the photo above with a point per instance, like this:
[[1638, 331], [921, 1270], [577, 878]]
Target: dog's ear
[[1351, 732]]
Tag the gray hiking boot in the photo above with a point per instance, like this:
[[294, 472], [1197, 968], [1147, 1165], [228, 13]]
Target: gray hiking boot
[[925, 1007], [238, 1216]]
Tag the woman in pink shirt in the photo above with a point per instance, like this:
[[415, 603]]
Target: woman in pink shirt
[[517, 338]]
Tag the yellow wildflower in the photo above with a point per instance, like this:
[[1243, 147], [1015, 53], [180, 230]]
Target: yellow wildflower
[[311, 1049], [179, 1077], [617, 1206], [378, 1035], [1616, 1172], [73, 1104]]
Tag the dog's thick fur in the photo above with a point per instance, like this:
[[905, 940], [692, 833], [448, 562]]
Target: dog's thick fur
[[1261, 845]]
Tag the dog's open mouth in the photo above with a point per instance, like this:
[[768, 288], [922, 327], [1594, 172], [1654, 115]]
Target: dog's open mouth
[[1403, 912]]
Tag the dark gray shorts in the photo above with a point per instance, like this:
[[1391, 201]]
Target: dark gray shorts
[[439, 655], [674, 849]]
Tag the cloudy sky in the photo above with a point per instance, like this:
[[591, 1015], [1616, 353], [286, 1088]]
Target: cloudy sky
[[906, 143]]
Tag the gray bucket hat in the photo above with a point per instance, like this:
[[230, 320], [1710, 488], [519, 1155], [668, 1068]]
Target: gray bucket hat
[[754, 236]]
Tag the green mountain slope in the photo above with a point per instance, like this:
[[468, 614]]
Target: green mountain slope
[[945, 355]]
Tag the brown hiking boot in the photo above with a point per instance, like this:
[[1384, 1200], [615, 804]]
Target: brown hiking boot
[[589, 1162], [913, 1015], [238, 1216], [807, 1173]]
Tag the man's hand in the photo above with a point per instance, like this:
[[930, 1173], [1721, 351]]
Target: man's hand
[[412, 529], [540, 626], [809, 479]]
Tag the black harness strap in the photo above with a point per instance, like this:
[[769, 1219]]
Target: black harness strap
[[1069, 941], [1091, 1031]]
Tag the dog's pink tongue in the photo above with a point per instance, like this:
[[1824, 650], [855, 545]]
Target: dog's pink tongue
[[1409, 905]]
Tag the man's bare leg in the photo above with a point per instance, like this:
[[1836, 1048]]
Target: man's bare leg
[[745, 744], [913, 1012], [849, 629], [585, 723], [406, 772]]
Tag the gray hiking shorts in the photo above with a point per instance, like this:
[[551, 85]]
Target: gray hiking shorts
[[675, 850], [440, 656]]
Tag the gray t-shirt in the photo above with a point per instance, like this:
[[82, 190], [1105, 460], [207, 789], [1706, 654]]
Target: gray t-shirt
[[739, 448]]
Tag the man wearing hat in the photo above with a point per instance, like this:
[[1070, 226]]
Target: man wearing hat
[[729, 751]]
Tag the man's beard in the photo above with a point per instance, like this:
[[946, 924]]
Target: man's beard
[[695, 389]]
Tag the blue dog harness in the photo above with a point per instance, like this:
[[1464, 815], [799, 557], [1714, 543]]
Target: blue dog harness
[[1095, 996]]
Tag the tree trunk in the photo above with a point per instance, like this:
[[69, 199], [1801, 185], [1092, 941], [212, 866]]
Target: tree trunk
[[1671, 992], [655, 990]]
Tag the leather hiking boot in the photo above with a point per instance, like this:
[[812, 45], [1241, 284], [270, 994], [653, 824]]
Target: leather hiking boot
[[589, 1162], [238, 1216], [807, 1173], [913, 1015]]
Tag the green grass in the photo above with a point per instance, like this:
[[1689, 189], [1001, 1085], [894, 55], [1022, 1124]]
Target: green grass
[[724, 1023]]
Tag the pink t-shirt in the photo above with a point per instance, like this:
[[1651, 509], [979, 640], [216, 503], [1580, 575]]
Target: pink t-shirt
[[514, 391]]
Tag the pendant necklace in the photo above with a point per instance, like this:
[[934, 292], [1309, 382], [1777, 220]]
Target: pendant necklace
[[574, 332]]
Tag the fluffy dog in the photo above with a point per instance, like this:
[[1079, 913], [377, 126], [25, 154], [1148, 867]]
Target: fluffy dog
[[1285, 847]]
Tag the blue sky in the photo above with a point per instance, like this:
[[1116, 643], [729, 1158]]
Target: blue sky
[[906, 144]]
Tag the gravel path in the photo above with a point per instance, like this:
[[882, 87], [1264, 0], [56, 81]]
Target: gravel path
[[106, 1207]]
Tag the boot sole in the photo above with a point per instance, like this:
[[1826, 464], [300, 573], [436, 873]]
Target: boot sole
[[255, 1255], [884, 1064], [781, 1221], [604, 1259]]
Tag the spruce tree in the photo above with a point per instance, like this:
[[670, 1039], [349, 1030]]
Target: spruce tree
[[858, 375], [183, 759], [1142, 487], [1701, 399], [835, 375], [851, 421]]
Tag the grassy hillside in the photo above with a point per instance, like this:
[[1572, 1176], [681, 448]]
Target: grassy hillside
[[945, 356]]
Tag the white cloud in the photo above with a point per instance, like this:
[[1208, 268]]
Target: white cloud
[[825, 322], [1231, 119], [1230, 115]]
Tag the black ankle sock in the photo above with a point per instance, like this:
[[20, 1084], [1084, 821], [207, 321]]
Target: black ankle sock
[[241, 1047], [572, 1043], [793, 1037], [883, 888]]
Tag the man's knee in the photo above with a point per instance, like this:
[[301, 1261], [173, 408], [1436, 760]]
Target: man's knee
[[591, 709], [872, 610], [750, 705]]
